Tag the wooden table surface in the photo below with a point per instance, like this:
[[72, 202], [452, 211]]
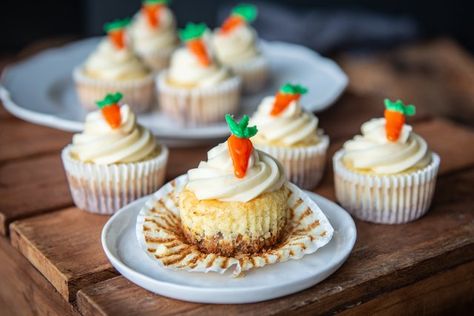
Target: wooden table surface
[[52, 261]]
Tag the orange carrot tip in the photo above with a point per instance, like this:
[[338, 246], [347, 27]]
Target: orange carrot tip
[[241, 129], [246, 12], [400, 107]]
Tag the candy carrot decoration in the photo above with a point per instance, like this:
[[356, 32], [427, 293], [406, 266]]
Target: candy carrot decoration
[[240, 146], [110, 109], [151, 10], [241, 14], [192, 35], [287, 94], [116, 32], [395, 113]]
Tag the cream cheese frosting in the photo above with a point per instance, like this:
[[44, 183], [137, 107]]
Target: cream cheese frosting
[[101, 144], [110, 63], [149, 40], [292, 126], [186, 70], [237, 46], [372, 150], [215, 179]]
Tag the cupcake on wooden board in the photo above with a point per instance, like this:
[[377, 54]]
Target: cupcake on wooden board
[[235, 44], [291, 135], [113, 66], [114, 161], [388, 173], [197, 90], [153, 33]]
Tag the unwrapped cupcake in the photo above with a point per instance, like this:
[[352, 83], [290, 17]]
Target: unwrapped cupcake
[[197, 90], [291, 135], [113, 66], [387, 174], [235, 44], [153, 33], [114, 161]]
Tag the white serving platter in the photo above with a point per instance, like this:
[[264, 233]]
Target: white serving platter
[[122, 249], [40, 89]]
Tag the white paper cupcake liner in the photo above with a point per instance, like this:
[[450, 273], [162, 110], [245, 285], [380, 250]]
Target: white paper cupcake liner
[[386, 199], [160, 236], [304, 166], [104, 189], [254, 74], [198, 106], [139, 94]]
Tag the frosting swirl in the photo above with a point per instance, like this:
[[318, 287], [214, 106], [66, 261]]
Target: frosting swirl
[[149, 40], [186, 70], [101, 144], [293, 126], [372, 150], [215, 179], [237, 46], [110, 63]]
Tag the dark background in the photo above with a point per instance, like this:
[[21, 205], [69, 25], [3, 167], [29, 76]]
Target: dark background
[[23, 22]]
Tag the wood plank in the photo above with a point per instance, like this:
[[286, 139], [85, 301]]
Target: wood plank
[[30, 187], [384, 259], [23, 290], [65, 247]]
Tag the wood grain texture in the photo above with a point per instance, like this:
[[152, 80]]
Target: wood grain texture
[[23, 290], [65, 247]]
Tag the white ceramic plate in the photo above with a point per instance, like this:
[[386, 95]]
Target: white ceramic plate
[[40, 89], [121, 247]]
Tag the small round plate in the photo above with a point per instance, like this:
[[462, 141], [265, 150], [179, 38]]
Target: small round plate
[[41, 90], [122, 249]]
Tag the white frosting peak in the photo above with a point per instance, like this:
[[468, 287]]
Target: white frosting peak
[[237, 46]]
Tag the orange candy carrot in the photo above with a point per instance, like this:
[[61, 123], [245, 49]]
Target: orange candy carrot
[[239, 144], [287, 94], [110, 109], [199, 49], [116, 32], [151, 10], [395, 113], [192, 35], [241, 14], [231, 23]]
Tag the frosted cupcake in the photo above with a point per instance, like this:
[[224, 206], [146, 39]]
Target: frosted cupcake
[[114, 66], [114, 161], [153, 34], [291, 135], [235, 45], [196, 90], [387, 174]]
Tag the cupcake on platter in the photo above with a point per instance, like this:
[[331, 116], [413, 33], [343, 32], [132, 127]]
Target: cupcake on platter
[[114, 66], [153, 33], [291, 135], [114, 161], [387, 174], [235, 44], [197, 90]]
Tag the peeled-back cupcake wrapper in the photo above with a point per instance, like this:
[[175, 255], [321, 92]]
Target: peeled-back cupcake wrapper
[[254, 73], [387, 199], [304, 166], [160, 235], [104, 189], [200, 105], [139, 94]]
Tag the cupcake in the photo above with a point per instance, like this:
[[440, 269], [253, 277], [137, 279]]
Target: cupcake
[[114, 161], [291, 135], [387, 174], [153, 34], [235, 46], [196, 90], [114, 66]]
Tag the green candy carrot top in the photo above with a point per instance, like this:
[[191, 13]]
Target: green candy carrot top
[[395, 113], [192, 35], [116, 32], [241, 14], [151, 10], [110, 109], [240, 146], [287, 94]]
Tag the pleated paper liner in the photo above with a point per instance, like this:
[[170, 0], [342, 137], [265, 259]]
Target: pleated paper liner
[[254, 74], [160, 235]]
